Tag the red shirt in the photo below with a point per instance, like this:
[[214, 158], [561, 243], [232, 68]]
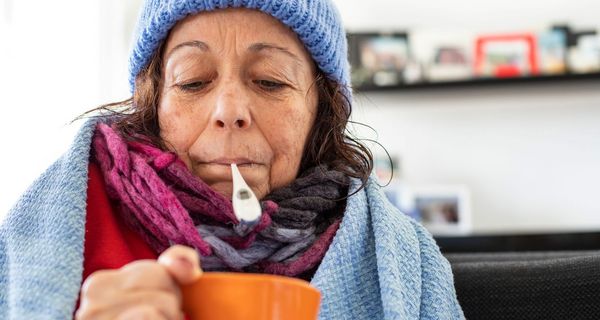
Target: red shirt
[[109, 242]]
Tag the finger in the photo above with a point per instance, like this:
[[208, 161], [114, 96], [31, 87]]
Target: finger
[[183, 263], [147, 275], [108, 305], [100, 284], [145, 312], [166, 304]]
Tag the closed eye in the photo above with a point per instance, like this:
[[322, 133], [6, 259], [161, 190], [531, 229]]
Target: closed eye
[[269, 85], [194, 86]]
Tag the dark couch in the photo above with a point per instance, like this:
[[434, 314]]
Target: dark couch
[[528, 285]]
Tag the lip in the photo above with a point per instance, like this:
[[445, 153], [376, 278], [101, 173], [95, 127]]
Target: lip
[[229, 161]]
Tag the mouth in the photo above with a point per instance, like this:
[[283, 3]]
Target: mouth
[[218, 174], [228, 161]]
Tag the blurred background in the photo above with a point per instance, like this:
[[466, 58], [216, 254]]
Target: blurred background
[[490, 111]]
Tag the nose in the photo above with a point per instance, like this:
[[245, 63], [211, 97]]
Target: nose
[[232, 108]]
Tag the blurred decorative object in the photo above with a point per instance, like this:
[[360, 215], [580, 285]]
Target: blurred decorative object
[[443, 209], [388, 171], [584, 55], [444, 56], [381, 60], [505, 56], [386, 167], [552, 46]]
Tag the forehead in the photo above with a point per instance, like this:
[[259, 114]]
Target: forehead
[[239, 27]]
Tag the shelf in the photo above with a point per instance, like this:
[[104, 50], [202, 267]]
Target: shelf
[[486, 82], [427, 59]]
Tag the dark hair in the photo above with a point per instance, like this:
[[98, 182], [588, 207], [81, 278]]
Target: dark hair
[[328, 141]]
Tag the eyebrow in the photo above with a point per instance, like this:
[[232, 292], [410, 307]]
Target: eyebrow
[[195, 44], [257, 47]]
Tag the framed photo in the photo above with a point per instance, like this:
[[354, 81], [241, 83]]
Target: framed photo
[[584, 56], [552, 49], [444, 55], [380, 60], [506, 56], [442, 209]]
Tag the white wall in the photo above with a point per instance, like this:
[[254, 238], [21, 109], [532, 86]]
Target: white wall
[[528, 153], [488, 15], [57, 59]]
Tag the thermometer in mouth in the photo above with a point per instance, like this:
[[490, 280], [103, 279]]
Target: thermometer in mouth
[[245, 204]]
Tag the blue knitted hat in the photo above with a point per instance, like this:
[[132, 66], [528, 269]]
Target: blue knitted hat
[[317, 23]]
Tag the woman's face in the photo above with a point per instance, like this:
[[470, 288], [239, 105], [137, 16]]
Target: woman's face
[[237, 89]]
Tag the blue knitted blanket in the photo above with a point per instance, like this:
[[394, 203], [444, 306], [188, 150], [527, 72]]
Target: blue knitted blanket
[[380, 265]]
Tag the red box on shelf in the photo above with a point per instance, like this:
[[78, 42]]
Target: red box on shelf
[[506, 56]]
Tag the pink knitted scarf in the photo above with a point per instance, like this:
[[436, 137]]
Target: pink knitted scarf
[[166, 204]]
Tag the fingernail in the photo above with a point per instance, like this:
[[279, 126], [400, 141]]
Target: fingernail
[[185, 262]]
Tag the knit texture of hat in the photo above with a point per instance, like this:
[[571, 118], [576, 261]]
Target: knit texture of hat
[[316, 22]]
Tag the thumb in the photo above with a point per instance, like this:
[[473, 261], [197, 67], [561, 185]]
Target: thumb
[[183, 263]]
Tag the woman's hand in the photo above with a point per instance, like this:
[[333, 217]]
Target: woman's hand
[[144, 289]]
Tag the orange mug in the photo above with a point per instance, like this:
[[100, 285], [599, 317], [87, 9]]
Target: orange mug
[[236, 296]]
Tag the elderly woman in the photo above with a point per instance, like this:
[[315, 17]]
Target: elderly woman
[[140, 203]]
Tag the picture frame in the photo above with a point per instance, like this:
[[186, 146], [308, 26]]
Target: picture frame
[[444, 55], [584, 55], [381, 60], [506, 55], [445, 210], [552, 52]]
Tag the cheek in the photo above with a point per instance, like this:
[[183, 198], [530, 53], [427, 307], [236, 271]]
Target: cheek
[[288, 143], [177, 128]]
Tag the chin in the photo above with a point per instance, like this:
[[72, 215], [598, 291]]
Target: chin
[[223, 188]]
